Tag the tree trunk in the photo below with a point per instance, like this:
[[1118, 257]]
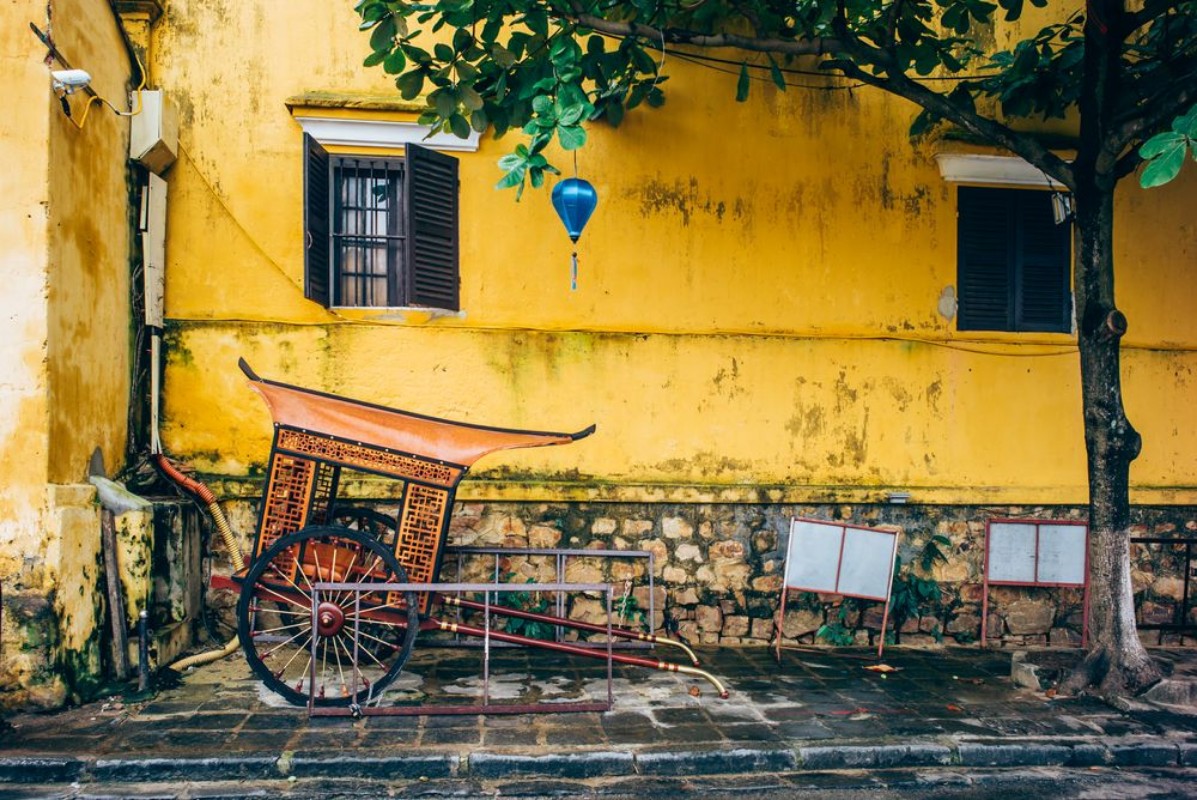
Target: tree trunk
[[1117, 663]]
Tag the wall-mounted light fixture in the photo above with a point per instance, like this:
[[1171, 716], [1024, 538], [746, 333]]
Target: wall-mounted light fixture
[[69, 81], [1061, 207], [897, 498]]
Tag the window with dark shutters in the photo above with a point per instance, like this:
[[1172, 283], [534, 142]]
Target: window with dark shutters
[[1013, 262], [381, 231]]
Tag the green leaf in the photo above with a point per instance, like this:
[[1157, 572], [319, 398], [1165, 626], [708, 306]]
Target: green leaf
[[460, 126], [511, 179], [1187, 123], [742, 84], [1164, 167], [543, 105], [1161, 143], [410, 84], [571, 115], [444, 101], [383, 37], [470, 97], [572, 136], [375, 58], [775, 71], [394, 63], [443, 52]]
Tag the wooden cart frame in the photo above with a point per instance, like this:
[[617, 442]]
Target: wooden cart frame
[[349, 644]]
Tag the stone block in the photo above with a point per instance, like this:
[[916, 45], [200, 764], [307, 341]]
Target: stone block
[[709, 618], [738, 625], [675, 575], [764, 541], [676, 528], [543, 536], [728, 550], [603, 526], [689, 552], [660, 553], [1030, 616], [688, 630], [635, 528], [1171, 588], [685, 597], [801, 623], [762, 629], [965, 623], [768, 584]]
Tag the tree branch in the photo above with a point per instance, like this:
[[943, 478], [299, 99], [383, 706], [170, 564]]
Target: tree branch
[[1020, 144], [1152, 112], [1150, 12], [792, 47]]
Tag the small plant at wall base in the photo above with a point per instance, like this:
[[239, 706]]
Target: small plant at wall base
[[915, 593], [534, 602], [837, 631]]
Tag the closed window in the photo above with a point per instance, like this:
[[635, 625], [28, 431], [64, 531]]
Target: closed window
[[381, 231], [1013, 268]]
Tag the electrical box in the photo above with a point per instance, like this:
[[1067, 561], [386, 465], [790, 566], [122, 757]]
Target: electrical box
[[154, 138]]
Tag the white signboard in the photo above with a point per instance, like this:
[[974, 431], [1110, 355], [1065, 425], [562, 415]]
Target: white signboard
[[1037, 553], [840, 559]]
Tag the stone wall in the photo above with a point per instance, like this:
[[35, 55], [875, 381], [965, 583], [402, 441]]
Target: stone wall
[[718, 567]]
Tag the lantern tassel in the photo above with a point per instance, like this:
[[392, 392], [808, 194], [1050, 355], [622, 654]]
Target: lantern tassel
[[573, 283]]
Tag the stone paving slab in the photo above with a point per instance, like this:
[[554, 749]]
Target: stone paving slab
[[819, 711]]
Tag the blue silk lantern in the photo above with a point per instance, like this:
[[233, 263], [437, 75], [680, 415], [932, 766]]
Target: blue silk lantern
[[575, 200]]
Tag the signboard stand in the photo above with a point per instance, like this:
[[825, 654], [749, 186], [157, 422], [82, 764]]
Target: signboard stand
[[835, 558], [1037, 553]]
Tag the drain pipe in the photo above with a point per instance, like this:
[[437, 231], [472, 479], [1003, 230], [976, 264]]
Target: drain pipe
[[226, 535]]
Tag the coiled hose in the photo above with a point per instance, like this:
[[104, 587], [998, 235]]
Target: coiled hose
[[230, 543]]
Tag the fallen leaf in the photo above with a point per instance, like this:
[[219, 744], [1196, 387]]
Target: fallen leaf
[[954, 707], [695, 691], [882, 668], [1050, 693]]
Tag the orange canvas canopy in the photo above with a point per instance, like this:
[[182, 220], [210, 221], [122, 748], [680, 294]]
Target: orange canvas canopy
[[445, 440]]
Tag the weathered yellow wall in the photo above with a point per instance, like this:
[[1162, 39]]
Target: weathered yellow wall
[[756, 315], [64, 316]]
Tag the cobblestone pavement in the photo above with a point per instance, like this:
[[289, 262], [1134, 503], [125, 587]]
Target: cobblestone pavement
[[819, 711]]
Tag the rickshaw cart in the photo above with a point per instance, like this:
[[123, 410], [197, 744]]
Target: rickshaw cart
[[367, 627]]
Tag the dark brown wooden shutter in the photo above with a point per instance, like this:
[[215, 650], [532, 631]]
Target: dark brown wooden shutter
[[316, 202], [1013, 262], [984, 274], [432, 240], [1043, 301]]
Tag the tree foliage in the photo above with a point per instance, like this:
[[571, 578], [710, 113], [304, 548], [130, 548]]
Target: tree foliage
[[550, 67]]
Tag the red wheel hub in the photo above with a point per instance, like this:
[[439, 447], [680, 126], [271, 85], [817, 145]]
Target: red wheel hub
[[329, 619]]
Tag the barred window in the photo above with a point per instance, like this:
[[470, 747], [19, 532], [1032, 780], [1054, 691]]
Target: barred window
[[381, 231]]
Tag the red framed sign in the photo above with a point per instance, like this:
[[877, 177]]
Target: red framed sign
[[837, 558], [1036, 553]]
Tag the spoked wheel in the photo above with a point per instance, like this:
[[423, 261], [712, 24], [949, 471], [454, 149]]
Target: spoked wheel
[[362, 644]]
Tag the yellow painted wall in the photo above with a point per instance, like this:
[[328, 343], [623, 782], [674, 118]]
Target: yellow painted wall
[[756, 316], [64, 343]]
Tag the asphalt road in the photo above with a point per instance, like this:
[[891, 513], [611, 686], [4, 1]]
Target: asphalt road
[[948, 784]]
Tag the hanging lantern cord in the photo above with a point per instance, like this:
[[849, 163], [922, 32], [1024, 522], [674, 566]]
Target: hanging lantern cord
[[573, 283]]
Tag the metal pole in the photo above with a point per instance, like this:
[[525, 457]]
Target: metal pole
[[143, 651]]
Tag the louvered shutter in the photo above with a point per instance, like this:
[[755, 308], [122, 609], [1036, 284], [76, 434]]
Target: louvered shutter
[[985, 267], [1043, 300], [316, 223], [432, 240]]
